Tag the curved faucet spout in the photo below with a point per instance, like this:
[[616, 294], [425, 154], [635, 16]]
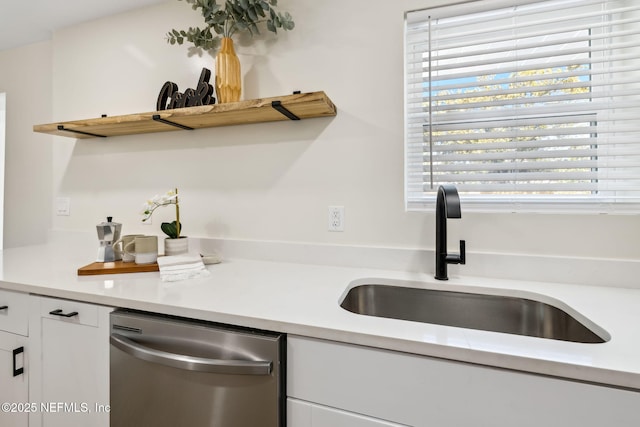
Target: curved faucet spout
[[449, 200], [447, 206]]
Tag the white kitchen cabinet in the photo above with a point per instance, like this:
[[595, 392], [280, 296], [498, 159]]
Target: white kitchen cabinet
[[70, 376], [305, 414], [14, 312], [420, 391], [14, 385], [14, 370]]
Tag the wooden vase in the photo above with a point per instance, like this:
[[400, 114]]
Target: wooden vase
[[228, 79]]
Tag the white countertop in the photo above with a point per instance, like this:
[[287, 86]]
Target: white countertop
[[303, 299]]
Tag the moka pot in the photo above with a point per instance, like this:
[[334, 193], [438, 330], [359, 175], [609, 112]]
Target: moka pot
[[108, 233]]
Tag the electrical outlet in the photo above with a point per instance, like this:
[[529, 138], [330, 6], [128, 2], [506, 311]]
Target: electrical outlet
[[336, 218], [63, 206]]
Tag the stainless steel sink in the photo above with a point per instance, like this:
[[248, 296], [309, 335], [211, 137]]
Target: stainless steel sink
[[497, 313]]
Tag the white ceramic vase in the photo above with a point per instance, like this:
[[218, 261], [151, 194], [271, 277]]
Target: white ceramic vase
[[177, 246]]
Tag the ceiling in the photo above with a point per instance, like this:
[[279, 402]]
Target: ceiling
[[24, 22]]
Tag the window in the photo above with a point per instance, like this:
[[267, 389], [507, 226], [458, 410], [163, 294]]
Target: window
[[527, 107]]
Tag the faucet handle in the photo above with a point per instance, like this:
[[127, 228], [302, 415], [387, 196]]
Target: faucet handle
[[460, 258]]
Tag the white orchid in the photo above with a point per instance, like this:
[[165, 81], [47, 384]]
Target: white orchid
[[169, 198]]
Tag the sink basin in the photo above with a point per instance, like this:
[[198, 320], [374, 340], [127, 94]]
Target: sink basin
[[497, 313]]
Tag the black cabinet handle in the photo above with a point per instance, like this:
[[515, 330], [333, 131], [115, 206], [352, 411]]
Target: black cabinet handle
[[18, 371], [4, 307], [59, 312]]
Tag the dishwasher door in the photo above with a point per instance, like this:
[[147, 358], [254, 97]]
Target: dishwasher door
[[168, 371]]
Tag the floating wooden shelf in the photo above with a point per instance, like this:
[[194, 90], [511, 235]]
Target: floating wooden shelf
[[288, 107]]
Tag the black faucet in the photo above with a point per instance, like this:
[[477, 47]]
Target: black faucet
[[447, 206]]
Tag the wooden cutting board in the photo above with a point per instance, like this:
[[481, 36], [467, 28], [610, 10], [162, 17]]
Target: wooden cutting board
[[116, 267]]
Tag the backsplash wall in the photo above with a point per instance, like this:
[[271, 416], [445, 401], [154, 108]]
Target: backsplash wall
[[272, 181]]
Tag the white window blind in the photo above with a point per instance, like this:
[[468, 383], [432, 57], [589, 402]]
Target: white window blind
[[528, 107]]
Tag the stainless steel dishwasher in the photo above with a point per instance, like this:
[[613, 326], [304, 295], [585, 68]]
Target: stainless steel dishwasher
[[168, 371]]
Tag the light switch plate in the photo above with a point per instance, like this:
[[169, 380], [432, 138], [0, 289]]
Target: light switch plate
[[63, 206]]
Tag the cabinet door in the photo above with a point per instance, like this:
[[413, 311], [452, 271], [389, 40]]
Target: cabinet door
[[14, 395], [305, 414], [73, 381]]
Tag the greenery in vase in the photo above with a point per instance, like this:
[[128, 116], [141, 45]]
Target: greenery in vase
[[235, 16], [171, 229]]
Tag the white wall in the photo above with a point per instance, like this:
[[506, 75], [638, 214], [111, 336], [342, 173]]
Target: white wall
[[272, 181], [25, 77], [3, 111]]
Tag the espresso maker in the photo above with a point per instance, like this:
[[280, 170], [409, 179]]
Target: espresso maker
[[108, 233]]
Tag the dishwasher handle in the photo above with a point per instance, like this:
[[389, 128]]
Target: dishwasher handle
[[190, 363]]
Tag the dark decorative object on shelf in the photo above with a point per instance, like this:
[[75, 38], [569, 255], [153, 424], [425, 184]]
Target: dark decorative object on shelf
[[170, 98]]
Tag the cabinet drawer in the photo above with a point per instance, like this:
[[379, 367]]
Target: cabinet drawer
[[422, 392], [14, 317], [305, 414], [63, 310]]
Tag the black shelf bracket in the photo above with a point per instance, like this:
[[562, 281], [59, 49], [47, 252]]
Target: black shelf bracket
[[61, 127], [157, 118], [282, 109]]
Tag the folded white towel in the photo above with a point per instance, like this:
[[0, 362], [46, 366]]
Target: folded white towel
[[181, 267], [172, 260]]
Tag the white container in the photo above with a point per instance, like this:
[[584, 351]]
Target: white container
[[177, 246]]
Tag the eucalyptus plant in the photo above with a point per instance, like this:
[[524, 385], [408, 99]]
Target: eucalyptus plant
[[232, 17]]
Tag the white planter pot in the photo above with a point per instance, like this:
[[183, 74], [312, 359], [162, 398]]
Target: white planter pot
[[176, 246]]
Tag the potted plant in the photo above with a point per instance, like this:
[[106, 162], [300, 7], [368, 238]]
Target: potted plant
[[233, 17], [174, 244]]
